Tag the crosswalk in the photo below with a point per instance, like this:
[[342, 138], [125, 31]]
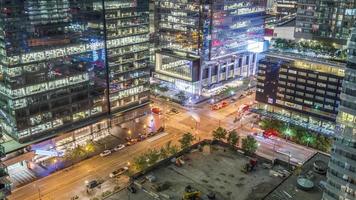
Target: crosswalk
[[20, 175]]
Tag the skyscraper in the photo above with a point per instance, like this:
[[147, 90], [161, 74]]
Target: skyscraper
[[341, 176], [325, 19], [201, 44], [67, 64]]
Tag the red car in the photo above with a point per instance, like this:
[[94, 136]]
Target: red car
[[269, 133], [220, 105], [156, 111]]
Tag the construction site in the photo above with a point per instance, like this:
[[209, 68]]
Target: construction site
[[213, 172]]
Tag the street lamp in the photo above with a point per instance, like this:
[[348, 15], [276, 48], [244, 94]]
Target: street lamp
[[55, 163], [129, 133]]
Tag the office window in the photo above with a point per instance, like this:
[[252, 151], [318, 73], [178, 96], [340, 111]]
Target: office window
[[309, 95], [310, 82], [301, 80]]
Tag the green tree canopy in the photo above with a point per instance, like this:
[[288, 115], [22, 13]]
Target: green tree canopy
[[249, 144], [186, 140], [233, 138], [219, 133]]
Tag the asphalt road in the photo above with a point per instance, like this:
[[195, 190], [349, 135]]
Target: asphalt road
[[67, 183]]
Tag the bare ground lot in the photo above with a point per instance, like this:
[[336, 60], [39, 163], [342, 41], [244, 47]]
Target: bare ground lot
[[218, 171]]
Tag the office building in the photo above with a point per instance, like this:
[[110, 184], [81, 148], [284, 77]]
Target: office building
[[285, 8], [204, 44], [299, 90], [306, 25], [325, 20], [341, 175], [71, 68]]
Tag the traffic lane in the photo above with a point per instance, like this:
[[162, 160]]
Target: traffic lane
[[77, 175]]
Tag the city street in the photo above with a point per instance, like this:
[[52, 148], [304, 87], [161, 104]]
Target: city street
[[198, 119]]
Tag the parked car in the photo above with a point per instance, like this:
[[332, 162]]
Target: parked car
[[174, 110], [92, 184], [118, 172], [150, 134], [119, 147], [160, 129], [105, 153], [141, 137], [132, 188], [131, 142]]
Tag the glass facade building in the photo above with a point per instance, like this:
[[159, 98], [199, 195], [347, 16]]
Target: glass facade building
[[325, 19], [65, 64], [286, 8], [202, 43], [341, 175]]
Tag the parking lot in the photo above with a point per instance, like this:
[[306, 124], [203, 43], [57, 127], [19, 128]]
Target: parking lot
[[217, 170]]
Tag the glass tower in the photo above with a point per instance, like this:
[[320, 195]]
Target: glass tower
[[341, 176], [325, 19], [202, 43], [66, 64]]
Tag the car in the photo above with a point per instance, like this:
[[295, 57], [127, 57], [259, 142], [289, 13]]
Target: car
[[174, 110], [119, 147], [105, 153], [92, 184], [141, 137], [156, 110], [132, 189], [131, 142], [118, 172], [128, 138], [150, 134], [160, 129]]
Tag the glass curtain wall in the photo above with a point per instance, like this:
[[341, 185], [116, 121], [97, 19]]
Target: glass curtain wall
[[236, 26], [54, 75]]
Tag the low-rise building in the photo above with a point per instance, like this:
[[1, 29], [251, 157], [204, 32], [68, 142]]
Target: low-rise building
[[300, 90]]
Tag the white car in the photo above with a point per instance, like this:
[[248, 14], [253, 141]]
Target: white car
[[105, 153], [119, 147], [118, 172]]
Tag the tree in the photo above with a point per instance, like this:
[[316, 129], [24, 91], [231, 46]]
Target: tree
[[219, 133], [249, 144], [140, 162], [168, 150], [152, 156], [89, 147], [233, 138], [174, 149], [186, 140]]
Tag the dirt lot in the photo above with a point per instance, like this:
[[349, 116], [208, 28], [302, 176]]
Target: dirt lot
[[217, 171]]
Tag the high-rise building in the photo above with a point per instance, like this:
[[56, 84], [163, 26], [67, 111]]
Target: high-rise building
[[325, 19], [341, 175], [335, 19], [285, 8], [202, 44], [305, 26], [66, 65]]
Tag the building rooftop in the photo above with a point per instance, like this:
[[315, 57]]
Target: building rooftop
[[297, 56], [217, 169], [320, 51], [288, 189]]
